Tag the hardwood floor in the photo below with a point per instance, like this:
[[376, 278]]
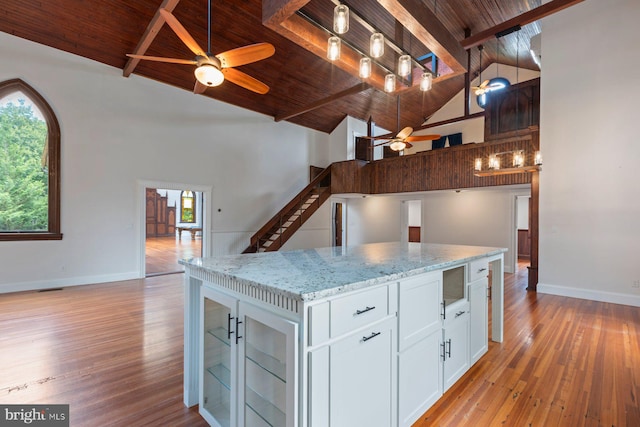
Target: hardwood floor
[[114, 353], [162, 253]]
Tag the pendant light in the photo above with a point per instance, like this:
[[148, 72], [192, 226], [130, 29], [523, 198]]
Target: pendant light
[[333, 48], [341, 19], [390, 83], [426, 82], [404, 65], [376, 45], [365, 68], [206, 73]]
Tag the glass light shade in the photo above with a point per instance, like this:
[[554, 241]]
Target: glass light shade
[[478, 164], [494, 162], [390, 83], [398, 145], [209, 75], [333, 48], [365, 68], [426, 82], [341, 19], [538, 158], [404, 65], [376, 45], [518, 159]]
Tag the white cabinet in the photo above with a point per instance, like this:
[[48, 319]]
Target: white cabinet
[[455, 348], [419, 337], [352, 364], [249, 364], [478, 320]]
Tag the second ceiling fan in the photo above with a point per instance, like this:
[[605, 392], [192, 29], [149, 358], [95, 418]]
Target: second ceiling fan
[[212, 70]]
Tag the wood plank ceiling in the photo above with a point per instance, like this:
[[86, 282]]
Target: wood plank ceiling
[[299, 79]]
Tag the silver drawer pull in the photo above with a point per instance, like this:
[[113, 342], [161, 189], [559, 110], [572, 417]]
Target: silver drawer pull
[[482, 269], [365, 310], [460, 313], [373, 335]]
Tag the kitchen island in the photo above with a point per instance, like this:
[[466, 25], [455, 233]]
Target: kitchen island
[[362, 335]]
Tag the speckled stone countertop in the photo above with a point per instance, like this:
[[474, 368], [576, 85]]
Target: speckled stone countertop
[[310, 274]]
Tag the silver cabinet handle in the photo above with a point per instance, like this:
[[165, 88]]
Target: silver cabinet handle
[[373, 335], [460, 313], [482, 269], [358, 312]]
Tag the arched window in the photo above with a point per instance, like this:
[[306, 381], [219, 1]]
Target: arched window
[[29, 165], [187, 207], [495, 84]]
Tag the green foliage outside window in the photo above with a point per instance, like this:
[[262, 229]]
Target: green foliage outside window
[[23, 180]]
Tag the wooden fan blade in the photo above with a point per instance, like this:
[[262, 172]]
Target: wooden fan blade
[[407, 144], [484, 84], [199, 87], [182, 33], [245, 55], [404, 133], [245, 80], [161, 59], [416, 138]]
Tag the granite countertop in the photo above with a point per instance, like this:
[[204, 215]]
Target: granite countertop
[[310, 274]]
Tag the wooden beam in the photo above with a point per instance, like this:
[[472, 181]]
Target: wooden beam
[[276, 11], [149, 35], [449, 121], [322, 102], [426, 27], [522, 20]]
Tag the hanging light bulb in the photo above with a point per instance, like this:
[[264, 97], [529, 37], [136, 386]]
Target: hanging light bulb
[[478, 164], [518, 159], [209, 75], [494, 162], [376, 45], [341, 19], [365, 68], [426, 82], [390, 83], [333, 48], [404, 65]]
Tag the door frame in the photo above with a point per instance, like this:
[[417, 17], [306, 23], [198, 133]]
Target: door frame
[[334, 201], [141, 208]]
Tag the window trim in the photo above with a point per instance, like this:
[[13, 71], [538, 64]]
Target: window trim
[[53, 146], [193, 208]]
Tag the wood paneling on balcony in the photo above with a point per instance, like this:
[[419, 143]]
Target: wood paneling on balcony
[[440, 169]]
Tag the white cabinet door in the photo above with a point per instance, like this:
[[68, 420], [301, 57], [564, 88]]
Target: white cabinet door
[[362, 377], [218, 361], [478, 320], [419, 378], [268, 355], [419, 308], [455, 347]]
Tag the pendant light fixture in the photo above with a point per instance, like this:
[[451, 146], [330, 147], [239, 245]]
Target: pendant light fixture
[[365, 68], [333, 48], [341, 19], [404, 65], [376, 45], [390, 83], [206, 73], [426, 82]]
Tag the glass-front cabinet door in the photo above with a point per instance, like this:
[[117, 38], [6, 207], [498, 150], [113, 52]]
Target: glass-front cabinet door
[[268, 369], [218, 384]]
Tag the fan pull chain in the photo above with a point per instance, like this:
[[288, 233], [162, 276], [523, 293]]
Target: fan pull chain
[[209, 27]]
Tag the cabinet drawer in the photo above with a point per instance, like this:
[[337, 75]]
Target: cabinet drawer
[[353, 311], [478, 269], [456, 311]]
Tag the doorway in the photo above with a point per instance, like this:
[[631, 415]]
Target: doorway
[[338, 223], [173, 226], [523, 235], [411, 221]]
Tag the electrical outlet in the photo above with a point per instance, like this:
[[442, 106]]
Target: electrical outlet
[[636, 284]]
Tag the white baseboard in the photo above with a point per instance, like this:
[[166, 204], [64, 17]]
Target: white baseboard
[[590, 294], [63, 283]]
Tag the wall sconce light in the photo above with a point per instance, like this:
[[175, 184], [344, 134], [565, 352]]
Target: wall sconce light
[[494, 162], [390, 83], [538, 158], [376, 45], [478, 164], [333, 48], [518, 159], [426, 82], [404, 65], [365, 68], [341, 19]]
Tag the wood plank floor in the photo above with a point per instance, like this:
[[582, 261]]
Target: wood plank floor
[[114, 353], [162, 253]]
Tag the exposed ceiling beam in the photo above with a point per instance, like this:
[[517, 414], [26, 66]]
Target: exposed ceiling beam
[[322, 102], [522, 20], [427, 28], [149, 35]]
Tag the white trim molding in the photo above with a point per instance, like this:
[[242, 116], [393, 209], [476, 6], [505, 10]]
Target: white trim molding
[[66, 282], [590, 294]]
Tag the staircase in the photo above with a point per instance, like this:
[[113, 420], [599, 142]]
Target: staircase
[[285, 223]]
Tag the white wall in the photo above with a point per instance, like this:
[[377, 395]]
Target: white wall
[[119, 131], [483, 217], [522, 222], [373, 219], [589, 187]]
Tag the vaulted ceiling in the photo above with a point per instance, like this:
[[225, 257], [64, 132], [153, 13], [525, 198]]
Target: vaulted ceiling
[[305, 88]]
